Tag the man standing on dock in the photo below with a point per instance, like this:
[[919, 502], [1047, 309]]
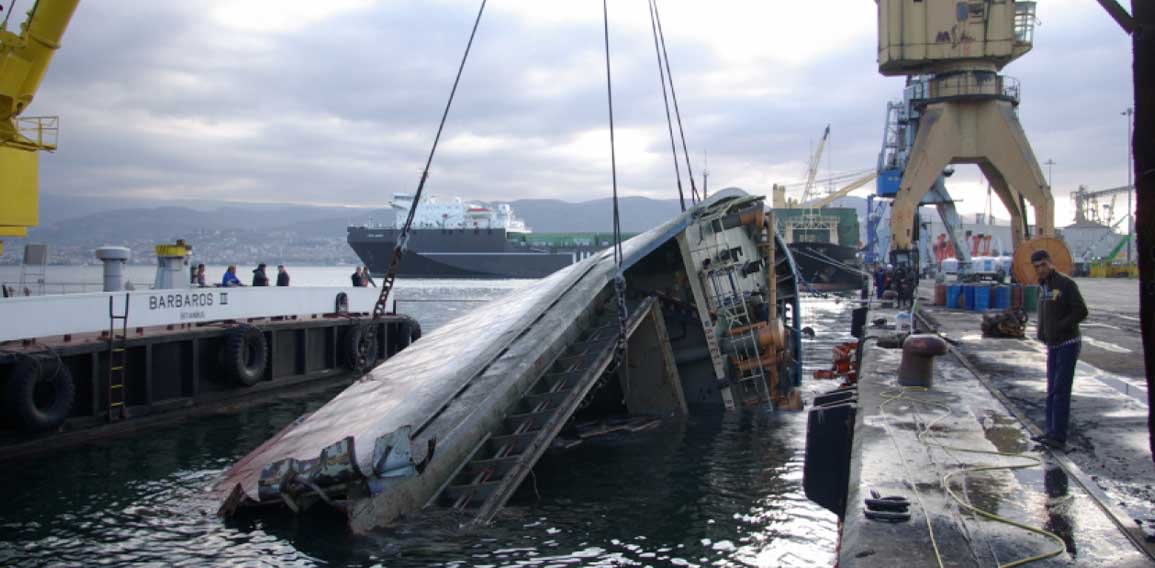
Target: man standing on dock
[[1061, 308]]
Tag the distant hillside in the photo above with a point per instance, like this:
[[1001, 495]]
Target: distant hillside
[[223, 231], [85, 220]]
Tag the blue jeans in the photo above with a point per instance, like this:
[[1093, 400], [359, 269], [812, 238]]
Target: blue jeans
[[1060, 375]]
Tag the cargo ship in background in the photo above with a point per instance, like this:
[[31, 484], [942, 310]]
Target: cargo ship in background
[[824, 240], [824, 243], [452, 238]]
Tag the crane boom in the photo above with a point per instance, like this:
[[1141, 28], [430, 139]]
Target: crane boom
[[824, 201], [812, 172], [24, 59]]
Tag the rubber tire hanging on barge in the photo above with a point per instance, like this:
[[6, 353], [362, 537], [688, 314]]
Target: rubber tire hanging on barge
[[246, 355], [28, 376], [351, 352], [411, 328]]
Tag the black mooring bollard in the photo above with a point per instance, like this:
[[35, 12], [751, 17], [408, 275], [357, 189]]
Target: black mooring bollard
[[918, 353]]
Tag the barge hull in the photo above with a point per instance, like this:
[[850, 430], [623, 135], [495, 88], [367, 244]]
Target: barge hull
[[179, 370]]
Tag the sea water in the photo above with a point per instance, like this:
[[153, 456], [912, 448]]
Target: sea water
[[713, 490]]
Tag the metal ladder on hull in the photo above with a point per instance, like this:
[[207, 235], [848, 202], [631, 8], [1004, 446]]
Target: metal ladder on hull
[[730, 302], [497, 466], [117, 360]]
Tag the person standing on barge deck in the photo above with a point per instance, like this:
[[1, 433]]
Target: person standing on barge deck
[[230, 280], [260, 278], [1061, 308], [282, 275]]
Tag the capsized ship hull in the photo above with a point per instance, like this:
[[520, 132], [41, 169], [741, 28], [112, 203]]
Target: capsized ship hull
[[457, 420]]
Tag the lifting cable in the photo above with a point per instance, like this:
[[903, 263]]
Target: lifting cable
[[619, 278], [8, 14], [368, 336], [666, 100], [922, 435], [674, 95], [403, 237]]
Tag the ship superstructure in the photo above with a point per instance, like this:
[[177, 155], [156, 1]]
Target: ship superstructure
[[454, 213]]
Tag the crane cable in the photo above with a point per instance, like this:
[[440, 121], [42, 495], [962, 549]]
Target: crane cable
[[8, 14], [379, 310], [674, 95], [619, 277], [666, 100]]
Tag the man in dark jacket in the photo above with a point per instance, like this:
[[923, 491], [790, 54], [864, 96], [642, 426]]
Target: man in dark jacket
[[282, 275], [1061, 308], [259, 276]]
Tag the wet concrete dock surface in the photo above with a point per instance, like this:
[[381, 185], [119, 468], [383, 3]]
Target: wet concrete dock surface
[[1039, 496], [1108, 448], [1107, 435]]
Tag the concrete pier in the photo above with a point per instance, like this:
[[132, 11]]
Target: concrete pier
[[987, 395]]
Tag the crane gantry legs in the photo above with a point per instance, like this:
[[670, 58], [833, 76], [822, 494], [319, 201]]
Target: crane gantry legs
[[982, 132]]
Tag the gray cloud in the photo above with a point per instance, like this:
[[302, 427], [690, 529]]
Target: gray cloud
[[162, 99]]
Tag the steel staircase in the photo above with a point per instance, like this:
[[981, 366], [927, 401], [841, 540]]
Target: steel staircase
[[497, 466]]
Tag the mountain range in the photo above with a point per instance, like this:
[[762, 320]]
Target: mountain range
[[227, 231]]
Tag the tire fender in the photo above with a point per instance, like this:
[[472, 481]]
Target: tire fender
[[246, 355], [39, 394], [352, 352]]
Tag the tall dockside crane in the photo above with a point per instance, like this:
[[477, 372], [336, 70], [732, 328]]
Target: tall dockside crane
[[24, 58], [968, 110], [902, 123]]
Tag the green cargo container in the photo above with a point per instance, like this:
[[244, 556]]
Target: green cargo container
[[847, 223], [566, 240]]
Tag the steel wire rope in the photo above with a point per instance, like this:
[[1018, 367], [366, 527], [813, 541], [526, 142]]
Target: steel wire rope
[[666, 100], [922, 434], [694, 197], [826, 259], [8, 14], [619, 277], [403, 237]]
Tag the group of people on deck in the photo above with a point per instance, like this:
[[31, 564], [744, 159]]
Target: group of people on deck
[[361, 277], [230, 279]]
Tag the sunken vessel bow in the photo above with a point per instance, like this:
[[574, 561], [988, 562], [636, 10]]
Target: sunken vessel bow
[[457, 420]]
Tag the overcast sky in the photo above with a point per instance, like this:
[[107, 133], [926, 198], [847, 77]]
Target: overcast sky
[[337, 101]]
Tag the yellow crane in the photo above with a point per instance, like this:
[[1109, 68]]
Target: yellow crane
[[812, 169], [24, 58], [824, 201]]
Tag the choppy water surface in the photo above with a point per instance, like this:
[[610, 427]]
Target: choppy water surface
[[716, 490]]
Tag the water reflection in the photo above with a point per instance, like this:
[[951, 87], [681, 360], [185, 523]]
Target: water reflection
[[1059, 520]]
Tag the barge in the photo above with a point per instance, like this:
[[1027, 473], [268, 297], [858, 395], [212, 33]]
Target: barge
[[78, 366]]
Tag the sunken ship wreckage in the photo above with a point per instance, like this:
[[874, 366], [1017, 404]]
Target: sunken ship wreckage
[[455, 422]]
